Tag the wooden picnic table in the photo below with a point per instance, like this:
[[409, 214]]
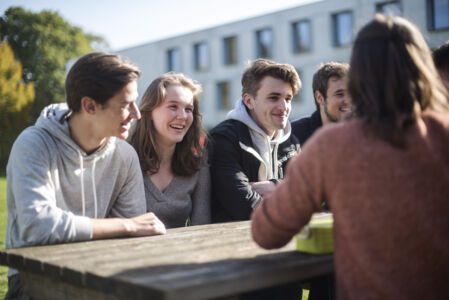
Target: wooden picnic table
[[198, 262]]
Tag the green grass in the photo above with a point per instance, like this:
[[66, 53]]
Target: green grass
[[3, 216]]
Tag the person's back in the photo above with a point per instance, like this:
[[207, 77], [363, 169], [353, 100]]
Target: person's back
[[390, 207], [385, 174]]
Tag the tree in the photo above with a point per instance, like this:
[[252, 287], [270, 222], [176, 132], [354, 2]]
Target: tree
[[16, 98], [44, 42]]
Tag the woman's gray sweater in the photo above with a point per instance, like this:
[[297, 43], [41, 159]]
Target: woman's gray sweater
[[186, 200]]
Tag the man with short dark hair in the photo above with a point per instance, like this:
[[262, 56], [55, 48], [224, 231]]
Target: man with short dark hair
[[330, 100], [70, 177]]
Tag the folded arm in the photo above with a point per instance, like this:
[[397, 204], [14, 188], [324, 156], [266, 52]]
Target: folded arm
[[231, 186]]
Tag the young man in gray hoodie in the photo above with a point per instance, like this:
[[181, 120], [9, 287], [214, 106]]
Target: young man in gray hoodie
[[71, 177]]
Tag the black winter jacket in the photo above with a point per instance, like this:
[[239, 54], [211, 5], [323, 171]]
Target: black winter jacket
[[305, 127], [232, 169]]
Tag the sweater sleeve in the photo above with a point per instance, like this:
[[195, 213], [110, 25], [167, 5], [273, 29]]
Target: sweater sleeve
[[34, 218], [201, 213], [131, 199], [230, 184], [290, 206]]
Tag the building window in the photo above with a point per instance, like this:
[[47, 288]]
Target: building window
[[174, 60], [392, 8], [437, 14], [302, 40], [223, 95], [342, 27], [201, 56], [230, 50], [264, 43]]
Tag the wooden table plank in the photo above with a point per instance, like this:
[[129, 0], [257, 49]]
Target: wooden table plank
[[198, 262]]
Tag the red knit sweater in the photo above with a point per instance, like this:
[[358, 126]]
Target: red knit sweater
[[390, 206]]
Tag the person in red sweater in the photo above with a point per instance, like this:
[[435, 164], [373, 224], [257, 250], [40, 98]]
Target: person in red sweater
[[385, 174]]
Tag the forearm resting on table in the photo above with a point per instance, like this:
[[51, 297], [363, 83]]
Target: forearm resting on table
[[143, 225]]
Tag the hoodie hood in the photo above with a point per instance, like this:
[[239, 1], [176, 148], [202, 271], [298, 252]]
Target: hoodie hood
[[265, 147], [240, 113], [53, 119]]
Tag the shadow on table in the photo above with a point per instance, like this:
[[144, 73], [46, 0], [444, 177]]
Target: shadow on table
[[212, 279]]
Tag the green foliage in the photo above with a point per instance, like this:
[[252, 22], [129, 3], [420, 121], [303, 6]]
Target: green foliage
[[16, 99], [98, 43], [3, 215], [43, 42]]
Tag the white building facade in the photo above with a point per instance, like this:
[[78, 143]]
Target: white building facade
[[303, 36]]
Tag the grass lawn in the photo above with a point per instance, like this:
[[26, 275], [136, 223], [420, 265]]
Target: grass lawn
[[3, 216]]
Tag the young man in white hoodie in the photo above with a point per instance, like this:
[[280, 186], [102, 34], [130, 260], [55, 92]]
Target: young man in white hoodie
[[248, 152], [71, 177]]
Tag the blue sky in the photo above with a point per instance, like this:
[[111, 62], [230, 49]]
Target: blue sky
[[128, 23]]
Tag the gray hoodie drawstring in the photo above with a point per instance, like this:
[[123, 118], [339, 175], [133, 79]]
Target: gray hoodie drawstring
[[82, 183], [273, 160], [83, 201], [93, 186]]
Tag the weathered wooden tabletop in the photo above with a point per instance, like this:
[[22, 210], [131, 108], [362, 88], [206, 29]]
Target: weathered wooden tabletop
[[199, 262]]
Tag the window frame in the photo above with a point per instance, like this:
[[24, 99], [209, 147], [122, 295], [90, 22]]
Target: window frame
[[380, 5], [259, 44], [430, 5], [295, 43], [230, 54], [335, 28], [223, 86], [197, 60], [169, 56]]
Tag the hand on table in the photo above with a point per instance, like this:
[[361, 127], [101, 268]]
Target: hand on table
[[146, 224], [263, 187]]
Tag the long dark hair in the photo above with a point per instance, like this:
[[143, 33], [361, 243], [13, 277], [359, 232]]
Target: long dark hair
[[392, 78], [188, 153]]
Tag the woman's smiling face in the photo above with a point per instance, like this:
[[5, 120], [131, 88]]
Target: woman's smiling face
[[173, 118]]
